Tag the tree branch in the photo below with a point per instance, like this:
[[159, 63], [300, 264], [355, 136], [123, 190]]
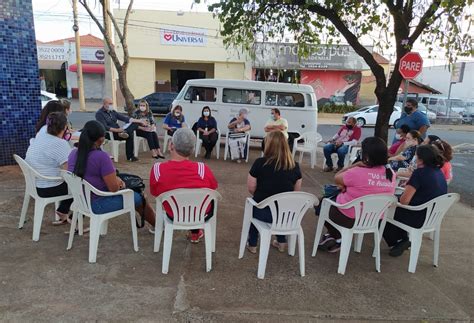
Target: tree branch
[[116, 26], [424, 21]]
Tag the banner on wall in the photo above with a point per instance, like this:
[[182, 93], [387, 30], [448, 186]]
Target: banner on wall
[[183, 36], [321, 57], [51, 53]]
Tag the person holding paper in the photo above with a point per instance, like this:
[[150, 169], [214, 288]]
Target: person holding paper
[[108, 117], [149, 131]]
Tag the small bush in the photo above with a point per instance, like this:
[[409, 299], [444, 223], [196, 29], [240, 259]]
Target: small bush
[[337, 108]]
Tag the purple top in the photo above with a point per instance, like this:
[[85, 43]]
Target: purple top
[[98, 166]]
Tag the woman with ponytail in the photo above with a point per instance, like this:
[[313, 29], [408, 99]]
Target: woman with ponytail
[[371, 175], [48, 154], [89, 162], [426, 183]]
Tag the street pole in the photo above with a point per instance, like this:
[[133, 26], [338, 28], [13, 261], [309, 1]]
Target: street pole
[[448, 106], [405, 92], [80, 80]]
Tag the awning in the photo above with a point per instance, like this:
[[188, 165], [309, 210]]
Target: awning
[[89, 68]]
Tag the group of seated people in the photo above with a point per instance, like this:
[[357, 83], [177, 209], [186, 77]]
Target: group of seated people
[[275, 172]]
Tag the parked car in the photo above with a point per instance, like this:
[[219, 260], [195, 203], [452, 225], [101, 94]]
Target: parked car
[[160, 102], [46, 97], [468, 115], [367, 116]]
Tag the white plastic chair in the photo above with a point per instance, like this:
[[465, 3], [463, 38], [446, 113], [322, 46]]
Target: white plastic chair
[[436, 209], [40, 202], [350, 156], [114, 146], [189, 208], [368, 211], [287, 211], [217, 149], [166, 141], [82, 191], [137, 141], [226, 148], [310, 145]]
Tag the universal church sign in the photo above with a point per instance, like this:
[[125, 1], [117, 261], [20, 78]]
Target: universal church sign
[[182, 36]]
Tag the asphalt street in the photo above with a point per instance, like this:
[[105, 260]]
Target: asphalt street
[[462, 183]]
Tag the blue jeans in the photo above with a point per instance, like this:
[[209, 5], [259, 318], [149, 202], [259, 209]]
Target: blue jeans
[[264, 215], [108, 204], [341, 152]]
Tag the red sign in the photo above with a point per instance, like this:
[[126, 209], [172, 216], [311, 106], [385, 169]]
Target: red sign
[[410, 65]]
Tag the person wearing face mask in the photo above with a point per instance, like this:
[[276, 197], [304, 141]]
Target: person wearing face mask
[[403, 159], [349, 134], [413, 118], [174, 120], [276, 123], [238, 127], [207, 130], [400, 137], [108, 117], [426, 183], [148, 132]]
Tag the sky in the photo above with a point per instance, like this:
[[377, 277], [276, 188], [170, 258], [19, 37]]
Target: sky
[[53, 20]]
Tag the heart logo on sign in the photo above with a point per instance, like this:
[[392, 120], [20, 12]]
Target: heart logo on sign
[[168, 36]]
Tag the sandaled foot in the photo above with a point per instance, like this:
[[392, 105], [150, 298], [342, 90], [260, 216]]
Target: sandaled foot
[[251, 249], [63, 219], [280, 246]]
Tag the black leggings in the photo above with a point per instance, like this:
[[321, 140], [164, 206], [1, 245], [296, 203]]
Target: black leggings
[[392, 234], [64, 206], [209, 141], [151, 137]]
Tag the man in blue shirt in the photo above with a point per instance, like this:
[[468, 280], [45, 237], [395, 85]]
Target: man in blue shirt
[[108, 117], [413, 118]]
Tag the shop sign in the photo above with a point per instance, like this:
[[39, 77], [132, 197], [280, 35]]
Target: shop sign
[[326, 57], [89, 55], [51, 53], [182, 36]]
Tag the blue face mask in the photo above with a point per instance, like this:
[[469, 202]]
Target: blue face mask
[[273, 116]]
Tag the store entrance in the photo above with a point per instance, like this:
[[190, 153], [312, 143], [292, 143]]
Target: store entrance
[[55, 81], [179, 78]]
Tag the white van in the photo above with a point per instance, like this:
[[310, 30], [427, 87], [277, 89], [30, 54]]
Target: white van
[[297, 103]]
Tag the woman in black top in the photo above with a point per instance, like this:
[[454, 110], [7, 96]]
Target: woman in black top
[[207, 130], [148, 132], [276, 172], [426, 183]]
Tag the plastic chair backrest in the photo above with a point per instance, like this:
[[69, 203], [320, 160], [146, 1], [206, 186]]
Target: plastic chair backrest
[[311, 139], [80, 190], [189, 205], [30, 175], [288, 209], [369, 209], [437, 208]]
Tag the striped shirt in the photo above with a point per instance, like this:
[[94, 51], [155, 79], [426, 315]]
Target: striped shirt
[[46, 154]]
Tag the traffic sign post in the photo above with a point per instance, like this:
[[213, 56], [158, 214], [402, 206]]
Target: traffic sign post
[[410, 66]]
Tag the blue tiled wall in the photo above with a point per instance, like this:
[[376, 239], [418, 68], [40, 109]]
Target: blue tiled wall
[[20, 103]]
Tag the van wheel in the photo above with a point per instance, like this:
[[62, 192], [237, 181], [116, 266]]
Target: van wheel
[[360, 122]]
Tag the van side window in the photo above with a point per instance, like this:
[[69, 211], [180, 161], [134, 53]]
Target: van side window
[[195, 93], [242, 96], [284, 99], [309, 101]]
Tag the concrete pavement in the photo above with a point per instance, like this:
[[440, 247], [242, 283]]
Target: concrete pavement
[[44, 282]]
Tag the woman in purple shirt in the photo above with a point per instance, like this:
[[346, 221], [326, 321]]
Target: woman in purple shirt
[[89, 162]]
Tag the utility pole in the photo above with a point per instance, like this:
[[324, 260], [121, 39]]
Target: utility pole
[[80, 79], [110, 78]]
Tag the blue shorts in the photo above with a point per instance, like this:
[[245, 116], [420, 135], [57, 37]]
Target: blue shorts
[[108, 204]]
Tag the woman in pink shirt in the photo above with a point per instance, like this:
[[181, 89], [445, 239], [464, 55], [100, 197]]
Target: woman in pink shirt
[[371, 175]]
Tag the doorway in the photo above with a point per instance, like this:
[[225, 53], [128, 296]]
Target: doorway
[[179, 78]]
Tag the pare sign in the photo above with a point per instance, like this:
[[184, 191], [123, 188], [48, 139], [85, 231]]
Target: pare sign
[[410, 65], [182, 36]]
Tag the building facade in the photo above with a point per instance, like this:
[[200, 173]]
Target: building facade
[[167, 48]]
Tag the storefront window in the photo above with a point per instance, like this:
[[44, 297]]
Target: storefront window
[[284, 99], [206, 94], [241, 96]]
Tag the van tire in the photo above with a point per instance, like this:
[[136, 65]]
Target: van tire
[[360, 122]]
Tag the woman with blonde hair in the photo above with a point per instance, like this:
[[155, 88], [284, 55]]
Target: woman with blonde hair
[[275, 172], [148, 131]]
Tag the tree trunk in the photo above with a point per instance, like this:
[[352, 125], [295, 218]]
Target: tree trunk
[[386, 103], [127, 94]]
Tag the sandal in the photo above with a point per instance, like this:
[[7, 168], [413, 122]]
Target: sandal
[[76, 232], [63, 219], [251, 249], [280, 246]]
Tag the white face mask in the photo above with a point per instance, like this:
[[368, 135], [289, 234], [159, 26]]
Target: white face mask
[[206, 113], [177, 113], [142, 108], [110, 107], [398, 136], [273, 116]]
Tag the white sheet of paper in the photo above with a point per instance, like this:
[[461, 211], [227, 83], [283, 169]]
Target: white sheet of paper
[[125, 126]]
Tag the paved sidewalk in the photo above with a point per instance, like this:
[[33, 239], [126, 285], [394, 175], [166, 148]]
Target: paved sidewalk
[[43, 282]]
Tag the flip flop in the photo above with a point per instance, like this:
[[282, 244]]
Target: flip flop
[[76, 232], [64, 219], [251, 249]]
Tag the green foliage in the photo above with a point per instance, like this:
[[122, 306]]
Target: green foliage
[[336, 108]]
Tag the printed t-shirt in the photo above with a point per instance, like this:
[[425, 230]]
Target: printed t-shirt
[[173, 174], [271, 182], [362, 181], [98, 166], [173, 122], [46, 154], [240, 125], [278, 122], [429, 183]]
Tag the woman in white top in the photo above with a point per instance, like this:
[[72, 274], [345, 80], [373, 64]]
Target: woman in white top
[[48, 154]]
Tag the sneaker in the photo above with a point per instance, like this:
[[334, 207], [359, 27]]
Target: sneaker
[[326, 242], [133, 159], [335, 247], [123, 135], [398, 249], [195, 237], [328, 169]]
